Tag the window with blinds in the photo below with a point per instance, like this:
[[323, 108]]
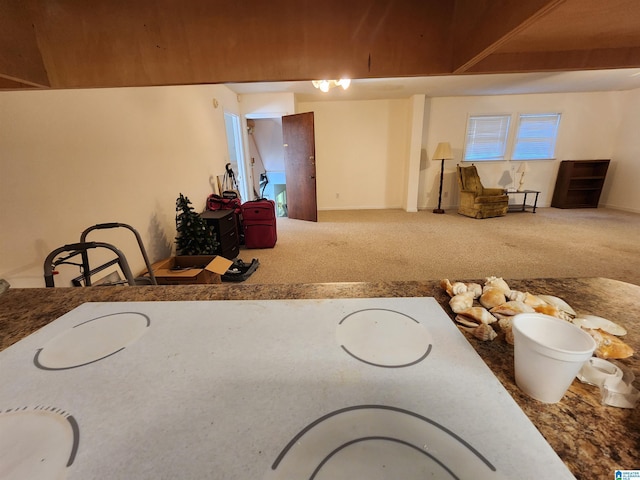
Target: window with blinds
[[536, 136], [486, 137]]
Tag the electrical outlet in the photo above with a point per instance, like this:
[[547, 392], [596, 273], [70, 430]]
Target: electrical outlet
[[337, 195], [445, 194]]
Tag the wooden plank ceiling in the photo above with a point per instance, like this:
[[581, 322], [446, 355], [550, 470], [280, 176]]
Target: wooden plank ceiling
[[117, 43]]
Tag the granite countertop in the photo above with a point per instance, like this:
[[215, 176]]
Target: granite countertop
[[593, 440]]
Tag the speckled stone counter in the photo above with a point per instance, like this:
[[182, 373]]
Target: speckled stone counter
[[593, 440]]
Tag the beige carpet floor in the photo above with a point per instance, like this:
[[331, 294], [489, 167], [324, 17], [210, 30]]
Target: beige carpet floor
[[379, 245]]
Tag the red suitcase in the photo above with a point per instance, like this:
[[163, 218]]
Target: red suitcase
[[259, 223]]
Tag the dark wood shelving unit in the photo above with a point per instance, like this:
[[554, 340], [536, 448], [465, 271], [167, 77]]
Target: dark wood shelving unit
[[579, 183]]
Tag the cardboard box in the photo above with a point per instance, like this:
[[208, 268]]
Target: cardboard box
[[190, 269]]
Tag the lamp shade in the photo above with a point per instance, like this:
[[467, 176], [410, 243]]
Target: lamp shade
[[523, 167], [443, 152]]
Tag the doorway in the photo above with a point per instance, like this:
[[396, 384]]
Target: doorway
[[282, 147], [265, 152]]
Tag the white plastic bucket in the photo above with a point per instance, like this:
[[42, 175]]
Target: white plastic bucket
[[548, 354]]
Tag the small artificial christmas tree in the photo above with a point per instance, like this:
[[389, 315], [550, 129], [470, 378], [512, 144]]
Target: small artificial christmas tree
[[194, 237]]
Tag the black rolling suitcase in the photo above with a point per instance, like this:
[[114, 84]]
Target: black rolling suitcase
[[259, 223]]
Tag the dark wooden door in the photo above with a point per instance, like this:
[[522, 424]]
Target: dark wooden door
[[300, 166]]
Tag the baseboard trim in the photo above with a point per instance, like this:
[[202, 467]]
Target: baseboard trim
[[622, 209], [360, 207]]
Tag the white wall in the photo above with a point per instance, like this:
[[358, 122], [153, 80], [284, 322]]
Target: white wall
[[588, 130], [72, 158], [361, 152], [621, 188], [412, 170], [267, 144], [267, 105]]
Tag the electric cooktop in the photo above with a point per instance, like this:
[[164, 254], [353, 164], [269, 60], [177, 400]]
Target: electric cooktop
[[280, 389]]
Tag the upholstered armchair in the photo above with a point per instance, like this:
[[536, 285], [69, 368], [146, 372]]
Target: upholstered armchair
[[477, 201]]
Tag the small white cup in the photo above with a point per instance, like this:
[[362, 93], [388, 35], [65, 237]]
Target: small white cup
[[548, 354]]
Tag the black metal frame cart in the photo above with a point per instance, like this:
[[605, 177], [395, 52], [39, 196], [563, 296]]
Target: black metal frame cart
[[522, 207]]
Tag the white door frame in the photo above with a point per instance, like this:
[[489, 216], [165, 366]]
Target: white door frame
[[238, 139]]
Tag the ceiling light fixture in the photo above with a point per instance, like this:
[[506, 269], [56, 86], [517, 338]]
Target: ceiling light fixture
[[326, 85]]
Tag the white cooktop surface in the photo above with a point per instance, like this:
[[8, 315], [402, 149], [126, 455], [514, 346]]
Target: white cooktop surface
[[280, 389]]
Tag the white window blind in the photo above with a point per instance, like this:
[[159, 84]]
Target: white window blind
[[486, 137], [536, 136]]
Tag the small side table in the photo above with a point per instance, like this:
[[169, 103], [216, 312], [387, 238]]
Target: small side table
[[522, 207]]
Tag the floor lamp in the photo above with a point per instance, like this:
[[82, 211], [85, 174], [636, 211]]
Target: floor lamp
[[442, 153]]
